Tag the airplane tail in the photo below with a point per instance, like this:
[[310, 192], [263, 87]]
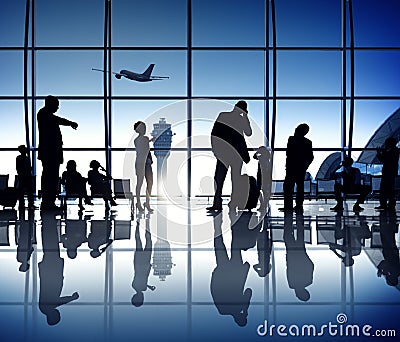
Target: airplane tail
[[148, 71]]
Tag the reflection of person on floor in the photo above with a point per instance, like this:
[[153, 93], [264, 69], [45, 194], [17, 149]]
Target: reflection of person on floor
[[75, 235], [299, 267], [99, 235], [142, 266], [100, 182], [51, 272], [348, 181], [143, 165], [351, 236], [264, 175], [389, 156], [24, 231], [264, 249], [230, 149], [24, 171], [228, 279], [75, 184], [389, 267]]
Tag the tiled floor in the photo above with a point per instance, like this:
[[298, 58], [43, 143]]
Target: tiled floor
[[221, 277]]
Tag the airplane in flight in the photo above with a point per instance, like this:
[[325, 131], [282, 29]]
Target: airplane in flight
[[143, 77]]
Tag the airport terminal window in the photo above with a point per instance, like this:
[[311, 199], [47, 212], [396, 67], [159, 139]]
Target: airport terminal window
[[12, 131], [73, 23], [317, 114], [68, 73], [365, 127], [89, 115], [126, 112], [149, 23], [228, 73], [11, 73], [377, 72], [228, 23], [373, 27], [227, 54], [309, 73], [297, 22], [12, 18], [171, 63]]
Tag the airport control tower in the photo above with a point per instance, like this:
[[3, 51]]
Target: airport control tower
[[162, 144], [162, 259]]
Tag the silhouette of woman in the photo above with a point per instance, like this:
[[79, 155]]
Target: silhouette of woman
[[143, 165]]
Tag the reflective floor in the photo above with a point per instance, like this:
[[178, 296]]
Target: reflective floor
[[180, 274]]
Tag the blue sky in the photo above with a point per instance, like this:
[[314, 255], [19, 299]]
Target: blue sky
[[231, 73]]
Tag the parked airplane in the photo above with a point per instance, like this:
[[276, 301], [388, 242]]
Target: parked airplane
[[143, 77]]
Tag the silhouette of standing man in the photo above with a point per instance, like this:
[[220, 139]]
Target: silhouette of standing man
[[299, 156], [50, 150], [230, 149], [389, 156]]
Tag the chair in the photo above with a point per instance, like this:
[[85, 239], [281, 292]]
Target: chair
[[277, 188], [3, 181], [8, 195], [122, 230], [122, 190], [376, 185], [325, 188]]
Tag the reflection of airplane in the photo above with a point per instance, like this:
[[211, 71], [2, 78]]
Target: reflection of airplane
[[143, 77]]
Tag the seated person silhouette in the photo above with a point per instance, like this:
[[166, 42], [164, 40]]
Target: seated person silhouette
[[74, 237], [348, 181], [142, 267], [99, 237], [75, 184], [100, 183], [24, 171], [352, 236]]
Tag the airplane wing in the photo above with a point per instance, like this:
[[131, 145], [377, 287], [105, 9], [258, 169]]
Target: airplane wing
[[115, 73], [158, 77]]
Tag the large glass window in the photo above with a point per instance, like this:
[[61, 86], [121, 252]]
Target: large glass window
[[214, 53], [308, 23], [228, 73], [228, 23], [69, 22], [149, 23]]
